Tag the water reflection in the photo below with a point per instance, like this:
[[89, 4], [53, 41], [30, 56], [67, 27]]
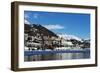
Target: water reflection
[[57, 56]]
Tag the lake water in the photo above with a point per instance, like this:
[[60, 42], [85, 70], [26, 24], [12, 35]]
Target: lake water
[[58, 56]]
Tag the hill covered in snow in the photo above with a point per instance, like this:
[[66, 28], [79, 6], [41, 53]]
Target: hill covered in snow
[[68, 37]]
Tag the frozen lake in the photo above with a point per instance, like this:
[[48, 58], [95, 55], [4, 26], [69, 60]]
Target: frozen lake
[[58, 56]]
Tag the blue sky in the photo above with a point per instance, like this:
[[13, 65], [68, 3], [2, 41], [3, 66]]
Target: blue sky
[[61, 23]]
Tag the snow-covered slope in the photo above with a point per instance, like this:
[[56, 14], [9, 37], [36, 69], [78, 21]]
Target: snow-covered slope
[[66, 36], [26, 21]]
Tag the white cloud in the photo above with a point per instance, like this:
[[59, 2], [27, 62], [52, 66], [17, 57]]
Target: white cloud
[[26, 21], [57, 26]]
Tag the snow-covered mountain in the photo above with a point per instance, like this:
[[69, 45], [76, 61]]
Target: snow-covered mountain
[[68, 37], [26, 22], [65, 36]]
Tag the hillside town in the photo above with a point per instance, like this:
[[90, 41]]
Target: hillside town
[[37, 37]]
